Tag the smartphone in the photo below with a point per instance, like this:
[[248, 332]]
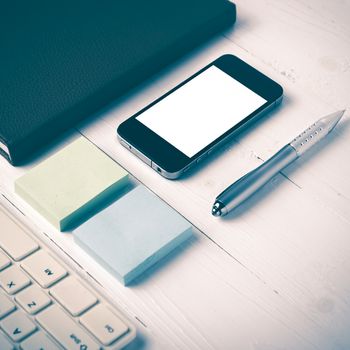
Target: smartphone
[[178, 130]]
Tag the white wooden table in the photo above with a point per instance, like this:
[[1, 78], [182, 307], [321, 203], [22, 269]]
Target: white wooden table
[[275, 274]]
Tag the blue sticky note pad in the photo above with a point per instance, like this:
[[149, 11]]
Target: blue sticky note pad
[[133, 233]]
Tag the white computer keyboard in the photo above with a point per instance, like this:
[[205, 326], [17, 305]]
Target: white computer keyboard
[[44, 304]]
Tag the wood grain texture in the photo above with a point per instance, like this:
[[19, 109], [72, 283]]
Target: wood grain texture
[[275, 273]]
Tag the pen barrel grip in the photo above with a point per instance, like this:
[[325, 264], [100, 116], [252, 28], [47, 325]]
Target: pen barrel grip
[[243, 188]]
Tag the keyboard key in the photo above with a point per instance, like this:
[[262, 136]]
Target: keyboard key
[[6, 305], [18, 326], [33, 299], [13, 279], [44, 269], [39, 341], [73, 296], [103, 324], [14, 239], [65, 330], [4, 261], [5, 343]]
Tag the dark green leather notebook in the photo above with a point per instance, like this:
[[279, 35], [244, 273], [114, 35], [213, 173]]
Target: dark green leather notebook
[[61, 61]]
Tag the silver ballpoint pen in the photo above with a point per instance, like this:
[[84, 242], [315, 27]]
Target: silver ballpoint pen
[[243, 188]]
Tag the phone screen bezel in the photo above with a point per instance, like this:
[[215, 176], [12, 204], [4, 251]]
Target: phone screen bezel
[[165, 155]]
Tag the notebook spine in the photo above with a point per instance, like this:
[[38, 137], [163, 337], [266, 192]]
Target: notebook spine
[[5, 151]]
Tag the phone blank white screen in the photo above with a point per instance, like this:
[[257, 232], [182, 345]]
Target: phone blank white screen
[[200, 111]]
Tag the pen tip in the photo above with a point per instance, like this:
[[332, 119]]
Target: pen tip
[[216, 210]]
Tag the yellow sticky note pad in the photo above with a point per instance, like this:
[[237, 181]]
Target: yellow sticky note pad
[[72, 185]]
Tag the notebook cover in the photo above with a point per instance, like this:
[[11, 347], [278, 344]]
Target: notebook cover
[[61, 61]]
